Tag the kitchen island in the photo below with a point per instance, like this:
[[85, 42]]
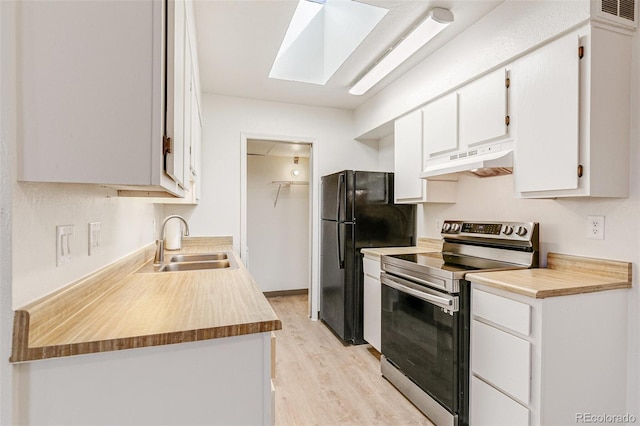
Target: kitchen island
[[200, 340]]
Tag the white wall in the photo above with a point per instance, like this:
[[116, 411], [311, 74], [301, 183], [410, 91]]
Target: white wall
[[6, 134], [385, 153], [278, 235], [127, 225], [227, 119]]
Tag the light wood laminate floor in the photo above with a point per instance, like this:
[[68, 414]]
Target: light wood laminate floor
[[319, 381]]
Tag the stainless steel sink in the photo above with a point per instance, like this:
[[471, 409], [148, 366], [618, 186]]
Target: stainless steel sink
[[200, 257], [195, 266], [193, 262]]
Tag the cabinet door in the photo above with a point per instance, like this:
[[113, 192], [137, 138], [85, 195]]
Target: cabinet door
[[372, 306], [408, 158], [546, 93], [490, 407], [501, 359], [188, 113], [482, 107], [440, 126], [174, 161]]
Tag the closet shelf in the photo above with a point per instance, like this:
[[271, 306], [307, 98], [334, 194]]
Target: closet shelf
[[282, 183]]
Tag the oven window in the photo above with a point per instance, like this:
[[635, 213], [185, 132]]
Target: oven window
[[422, 341]]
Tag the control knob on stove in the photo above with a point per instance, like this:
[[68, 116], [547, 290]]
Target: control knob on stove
[[521, 231], [508, 230], [446, 227], [455, 227]]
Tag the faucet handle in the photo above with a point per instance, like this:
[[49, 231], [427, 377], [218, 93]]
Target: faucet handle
[[158, 258]]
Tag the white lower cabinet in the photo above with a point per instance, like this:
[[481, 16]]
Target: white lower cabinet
[[491, 407], [372, 303], [546, 361]]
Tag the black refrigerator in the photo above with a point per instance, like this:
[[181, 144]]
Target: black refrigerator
[[357, 212]]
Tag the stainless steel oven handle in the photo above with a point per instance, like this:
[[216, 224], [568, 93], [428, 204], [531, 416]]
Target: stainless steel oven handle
[[444, 302], [419, 280]]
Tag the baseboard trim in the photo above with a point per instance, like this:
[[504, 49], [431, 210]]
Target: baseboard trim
[[286, 292]]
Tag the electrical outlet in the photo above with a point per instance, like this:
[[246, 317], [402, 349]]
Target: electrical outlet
[[595, 227], [95, 237], [439, 223], [64, 237]]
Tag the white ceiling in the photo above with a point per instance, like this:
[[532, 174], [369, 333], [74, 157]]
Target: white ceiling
[[277, 149], [239, 39]]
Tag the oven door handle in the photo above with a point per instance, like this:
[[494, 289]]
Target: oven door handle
[[422, 293]]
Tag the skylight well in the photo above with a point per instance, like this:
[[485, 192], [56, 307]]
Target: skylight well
[[321, 36]]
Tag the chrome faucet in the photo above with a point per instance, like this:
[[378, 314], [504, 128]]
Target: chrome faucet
[[158, 259]]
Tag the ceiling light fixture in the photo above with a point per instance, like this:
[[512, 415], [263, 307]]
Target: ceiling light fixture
[[295, 172], [437, 20]]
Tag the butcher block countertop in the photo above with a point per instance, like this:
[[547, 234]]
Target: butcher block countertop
[[118, 308], [564, 275], [425, 245]]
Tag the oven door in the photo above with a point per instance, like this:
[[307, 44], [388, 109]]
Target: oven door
[[421, 337]]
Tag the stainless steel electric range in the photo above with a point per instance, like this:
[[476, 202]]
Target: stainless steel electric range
[[425, 311]]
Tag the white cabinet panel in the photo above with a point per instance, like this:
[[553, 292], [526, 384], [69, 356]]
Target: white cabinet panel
[[482, 107], [440, 126], [408, 157], [547, 92], [502, 359], [372, 312], [408, 164], [502, 311], [372, 303], [490, 407]]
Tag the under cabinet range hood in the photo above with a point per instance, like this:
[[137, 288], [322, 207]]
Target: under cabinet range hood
[[485, 162]]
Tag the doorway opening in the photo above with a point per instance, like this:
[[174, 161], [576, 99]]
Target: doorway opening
[[277, 250]]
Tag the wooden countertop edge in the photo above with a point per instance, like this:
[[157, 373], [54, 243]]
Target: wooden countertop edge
[[22, 353], [580, 274], [545, 293]]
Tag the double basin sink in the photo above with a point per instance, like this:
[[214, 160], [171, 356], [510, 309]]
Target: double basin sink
[[193, 262]]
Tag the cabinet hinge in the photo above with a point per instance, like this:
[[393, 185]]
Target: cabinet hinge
[[579, 170], [507, 120], [580, 52], [507, 82], [167, 145]]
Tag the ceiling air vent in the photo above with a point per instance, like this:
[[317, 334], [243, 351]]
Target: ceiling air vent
[[620, 12]]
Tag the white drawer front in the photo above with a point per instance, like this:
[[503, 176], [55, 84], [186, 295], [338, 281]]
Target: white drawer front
[[508, 313], [491, 407], [501, 359], [371, 267]]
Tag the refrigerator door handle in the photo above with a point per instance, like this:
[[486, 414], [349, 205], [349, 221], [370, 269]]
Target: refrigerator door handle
[[338, 197], [341, 185], [340, 256]]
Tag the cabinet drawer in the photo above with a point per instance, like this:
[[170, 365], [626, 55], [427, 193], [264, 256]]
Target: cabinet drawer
[[501, 359], [491, 407], [371, 267], [508, 313]]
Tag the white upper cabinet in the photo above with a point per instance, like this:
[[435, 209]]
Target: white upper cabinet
[[408, 162], [93, 103], [572, 101], [440, 126], [177, 92], [547, 117], [483, 109]]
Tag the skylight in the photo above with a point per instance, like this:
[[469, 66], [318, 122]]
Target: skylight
[[321, 36]]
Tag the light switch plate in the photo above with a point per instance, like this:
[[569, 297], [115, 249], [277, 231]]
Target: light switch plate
[[95, 237], [64, 238]]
